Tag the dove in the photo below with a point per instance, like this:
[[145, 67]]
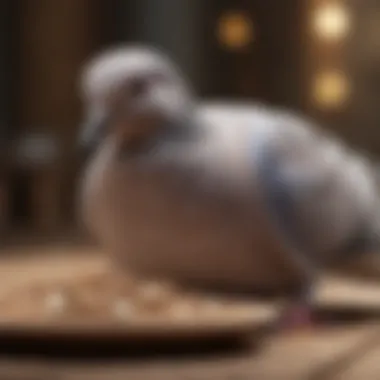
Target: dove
[[235, 195]]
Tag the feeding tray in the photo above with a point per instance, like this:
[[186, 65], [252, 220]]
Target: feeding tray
[[67, 296]]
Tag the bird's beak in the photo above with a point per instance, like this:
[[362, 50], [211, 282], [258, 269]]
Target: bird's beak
[[167, 101], [93, 130]]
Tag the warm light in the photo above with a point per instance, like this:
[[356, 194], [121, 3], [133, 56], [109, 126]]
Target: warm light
[[331, 89], [331, 22], [235, 30]]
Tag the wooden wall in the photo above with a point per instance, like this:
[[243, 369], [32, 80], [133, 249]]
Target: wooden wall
[[363, 61], [53, 40], [270, 69], [6, 100]]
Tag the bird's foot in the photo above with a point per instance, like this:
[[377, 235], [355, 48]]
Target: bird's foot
[[294, 319]]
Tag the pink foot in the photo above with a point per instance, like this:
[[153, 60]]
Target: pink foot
[[296, 318]]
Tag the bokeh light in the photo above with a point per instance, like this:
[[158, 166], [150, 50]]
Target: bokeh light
[[331, 89], [331, 22], [235, 30]]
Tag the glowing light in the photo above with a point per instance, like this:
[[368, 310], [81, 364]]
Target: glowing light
[[235, 30], [332, 22], [331, 89]]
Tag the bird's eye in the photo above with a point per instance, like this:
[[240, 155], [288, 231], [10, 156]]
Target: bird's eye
[[138, 87]]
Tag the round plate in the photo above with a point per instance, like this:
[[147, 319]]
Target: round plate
[[22, 269]]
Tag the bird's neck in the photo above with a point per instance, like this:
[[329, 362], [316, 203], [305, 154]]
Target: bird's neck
[[167, 131]]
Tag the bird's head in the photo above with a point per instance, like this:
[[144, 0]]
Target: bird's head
[[129, 93]]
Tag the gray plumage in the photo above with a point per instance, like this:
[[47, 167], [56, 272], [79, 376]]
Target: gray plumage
[[238, 195]]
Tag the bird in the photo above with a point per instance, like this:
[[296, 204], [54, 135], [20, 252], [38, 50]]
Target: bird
[[236, 195]]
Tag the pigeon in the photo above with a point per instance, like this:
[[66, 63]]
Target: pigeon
[[234, 195]]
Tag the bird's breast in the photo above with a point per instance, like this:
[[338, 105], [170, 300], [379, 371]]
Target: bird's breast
[[183, 224]]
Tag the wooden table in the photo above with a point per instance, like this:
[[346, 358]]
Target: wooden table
[[346, 352], [342, 353]]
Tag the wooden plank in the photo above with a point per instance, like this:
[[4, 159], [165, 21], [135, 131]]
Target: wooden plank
[[300, 357], [342, 352], [367, 365]]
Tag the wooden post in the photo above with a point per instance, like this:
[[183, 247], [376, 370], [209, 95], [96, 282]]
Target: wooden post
[[5, 106], [56, 37]]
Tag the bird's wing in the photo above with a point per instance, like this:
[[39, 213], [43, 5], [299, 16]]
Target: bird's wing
[[264, 143], [321, 193]]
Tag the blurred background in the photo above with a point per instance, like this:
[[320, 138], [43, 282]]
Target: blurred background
[[319, 57]]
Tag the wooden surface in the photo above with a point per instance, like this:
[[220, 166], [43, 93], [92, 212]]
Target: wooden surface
[[188, 316], [346, 350], [330, 354]]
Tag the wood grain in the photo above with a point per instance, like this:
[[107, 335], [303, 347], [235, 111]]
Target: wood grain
[[344, 351]]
